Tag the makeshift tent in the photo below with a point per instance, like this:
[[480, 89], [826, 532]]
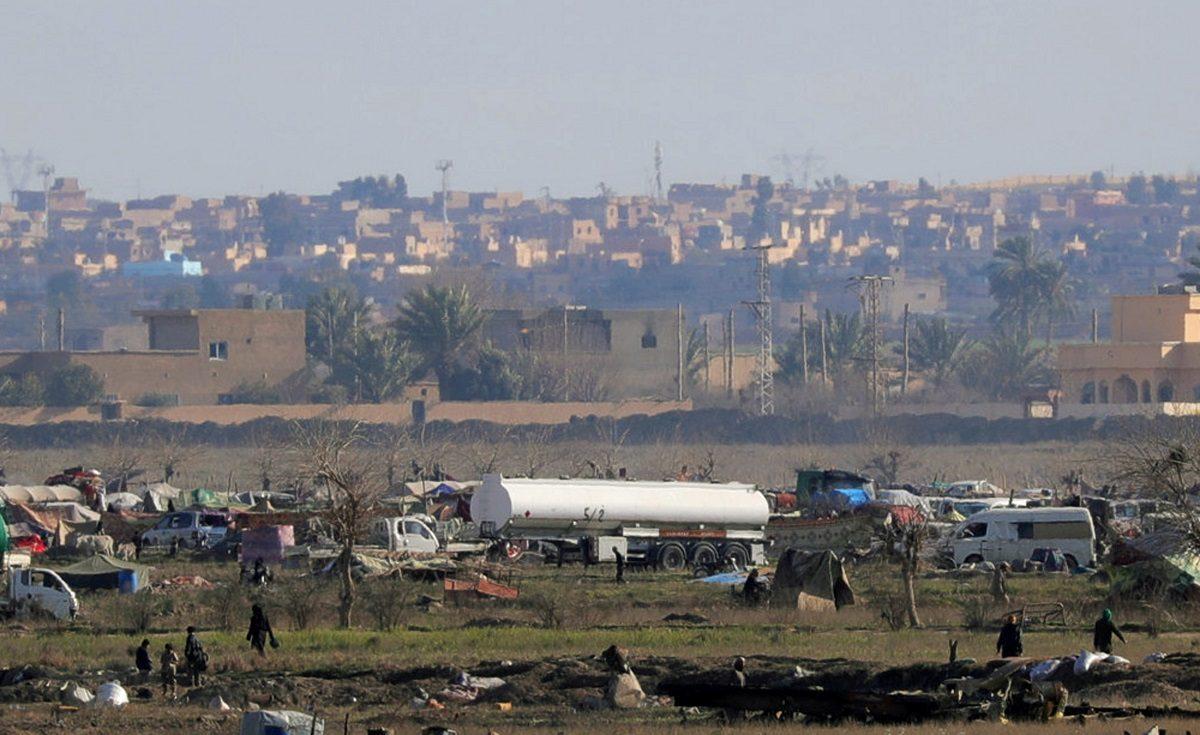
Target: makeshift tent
[[39, 494], [122, 501], [802, 576], [281, 722], [269, 543], [903, 497], [433, 488], [102, 572]]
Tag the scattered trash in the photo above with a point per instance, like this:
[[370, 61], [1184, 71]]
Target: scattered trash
[[1043, 670], [281, 722], [219, 704], [1086, 660], [111, 694], [184, 580], [74, 695], [1154, 658]]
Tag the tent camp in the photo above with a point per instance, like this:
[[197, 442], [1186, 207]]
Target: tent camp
[[810, 579], [101, 572], [40, 494]]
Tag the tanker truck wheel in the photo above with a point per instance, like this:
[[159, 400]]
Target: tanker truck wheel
[[671, 558], [704, 555], [736, 555]]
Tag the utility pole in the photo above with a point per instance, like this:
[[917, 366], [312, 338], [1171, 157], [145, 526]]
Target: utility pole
[[1095, 326], [803, 345], [729, 354], [566, 372], [904, 380], [679, 352], [824, 355], [62, 329], [444, 165], [762, 315], [869, 287], [42, 331], [707, 361]]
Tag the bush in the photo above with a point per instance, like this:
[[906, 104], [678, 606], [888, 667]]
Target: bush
[[258, 393], [304, 596], [157, 400], [329, 393], [387, 598], [978, 611], [73, 385], [143, 608], [21, 390]]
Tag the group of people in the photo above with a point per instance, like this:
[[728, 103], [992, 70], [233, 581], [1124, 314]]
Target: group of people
[[195, 658], [1010, 645]]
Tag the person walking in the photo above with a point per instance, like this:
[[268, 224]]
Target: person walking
[[142, 660], [196, 657], [170, 663], [1009, 644], [260, 632], [1104, 631], [620, 559]]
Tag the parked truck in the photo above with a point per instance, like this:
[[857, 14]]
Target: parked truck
[[422, 535], [33, 589], [667, 525]]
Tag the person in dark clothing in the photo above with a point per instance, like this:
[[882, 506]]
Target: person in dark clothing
[[752, 590], [137, 547], [1104, 631], [1009, 643], [739, 672], [195, 656], [142, 660], [620, 559], [261, 574], [260, 630]]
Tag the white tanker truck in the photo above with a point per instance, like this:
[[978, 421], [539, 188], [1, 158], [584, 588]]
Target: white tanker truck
[[667, 525]]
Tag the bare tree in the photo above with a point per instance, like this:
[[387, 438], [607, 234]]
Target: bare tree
[[335, 455], [172, 450], [607, 450], [535, 449], [1164, 463], [483, 452], [907, 535], [122, 460]]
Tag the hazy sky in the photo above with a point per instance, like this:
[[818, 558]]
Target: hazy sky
[[207, 98]]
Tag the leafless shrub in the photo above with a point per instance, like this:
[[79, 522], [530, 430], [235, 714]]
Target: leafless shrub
[[977, 611], [388, 598], [305, 596]]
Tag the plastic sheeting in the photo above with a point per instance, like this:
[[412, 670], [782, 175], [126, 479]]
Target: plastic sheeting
[[111, 694], [40, 494], [281, 722]]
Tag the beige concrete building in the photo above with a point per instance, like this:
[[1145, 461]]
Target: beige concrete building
[[198, 356], [1153, 357]]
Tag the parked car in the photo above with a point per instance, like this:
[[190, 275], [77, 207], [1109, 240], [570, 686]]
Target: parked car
[[192, 528]]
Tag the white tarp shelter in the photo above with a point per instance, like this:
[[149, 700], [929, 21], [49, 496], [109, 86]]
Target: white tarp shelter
[[281, 722]]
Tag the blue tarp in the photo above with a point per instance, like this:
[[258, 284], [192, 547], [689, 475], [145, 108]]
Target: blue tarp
[[725, 578], [842, 497]]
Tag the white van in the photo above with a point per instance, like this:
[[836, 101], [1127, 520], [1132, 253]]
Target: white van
[[1012, 534]]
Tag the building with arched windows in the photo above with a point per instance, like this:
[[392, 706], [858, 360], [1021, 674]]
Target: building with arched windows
[[1152, 362]]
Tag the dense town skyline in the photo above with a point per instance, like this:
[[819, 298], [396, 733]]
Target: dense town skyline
[[223, 98]]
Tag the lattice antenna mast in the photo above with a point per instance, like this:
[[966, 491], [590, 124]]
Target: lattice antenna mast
[[658, 162], [444, 165], [765, 378], [47, 172], [869, 292]]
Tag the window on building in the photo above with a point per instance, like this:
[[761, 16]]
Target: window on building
[[1166, 392], [1089, 393], [649, 341], [218, 350], [1103, 394], [1145, 391]]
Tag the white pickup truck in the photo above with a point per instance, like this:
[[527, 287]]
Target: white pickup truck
[[31, 589], [420, 535]]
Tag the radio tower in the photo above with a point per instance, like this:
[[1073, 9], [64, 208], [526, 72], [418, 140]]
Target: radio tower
[[869, 287], [762, 317], [444, 165], [658, 160]]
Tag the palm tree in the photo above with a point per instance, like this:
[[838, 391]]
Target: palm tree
[[441, 323], [1015, 282], [1058, 295], [845, 338], [376, 367], [936, 349], [333, 319], [1010, 363]]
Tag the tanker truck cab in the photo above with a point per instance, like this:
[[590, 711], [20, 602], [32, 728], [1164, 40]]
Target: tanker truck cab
[[1013, 534], [32, 589], [406, 533], [668, 525]]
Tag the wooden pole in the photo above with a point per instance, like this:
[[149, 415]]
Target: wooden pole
[[679, 352], [824, 356], [803, 345], [729, 359], [904, 379], [1095, 326], [707, 358]]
